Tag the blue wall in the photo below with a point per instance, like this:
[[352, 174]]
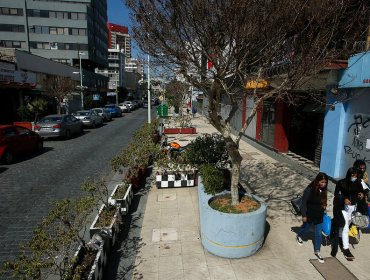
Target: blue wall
[[347, 128]]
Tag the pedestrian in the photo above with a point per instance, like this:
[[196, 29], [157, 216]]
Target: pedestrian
[[348, 197], [314, 203], [361, 167], [193, 111]]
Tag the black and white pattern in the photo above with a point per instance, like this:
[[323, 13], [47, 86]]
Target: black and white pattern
[[177, 180]]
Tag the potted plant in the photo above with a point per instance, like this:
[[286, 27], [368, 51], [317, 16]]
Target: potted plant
[[50, 251], [107, 220], [182, 125], [137, 154], [122, 196], [226, 229]]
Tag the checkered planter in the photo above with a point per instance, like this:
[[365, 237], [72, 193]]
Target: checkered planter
[[177, 180]]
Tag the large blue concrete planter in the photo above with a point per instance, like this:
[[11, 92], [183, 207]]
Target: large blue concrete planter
[[230, 235]]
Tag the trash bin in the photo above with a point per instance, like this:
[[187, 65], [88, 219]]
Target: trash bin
[[162, 110]]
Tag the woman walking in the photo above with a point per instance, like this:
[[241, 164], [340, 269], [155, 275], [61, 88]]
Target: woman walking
[[313, 206], [348, 197]]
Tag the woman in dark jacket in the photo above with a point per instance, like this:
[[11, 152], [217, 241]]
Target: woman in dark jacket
[[313, 206], [349, 196]]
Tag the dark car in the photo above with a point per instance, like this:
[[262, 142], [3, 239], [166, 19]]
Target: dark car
[[114, 110], [16, 141], [58, 126]]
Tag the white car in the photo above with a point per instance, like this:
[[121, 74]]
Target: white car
[[129, 104], [124, 108], [89, 118]]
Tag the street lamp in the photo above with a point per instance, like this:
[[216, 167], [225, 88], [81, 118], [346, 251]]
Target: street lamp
[[149, 101], [81, 86]]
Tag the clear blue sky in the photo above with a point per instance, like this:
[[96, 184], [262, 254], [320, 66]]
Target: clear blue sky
[[119, 14]]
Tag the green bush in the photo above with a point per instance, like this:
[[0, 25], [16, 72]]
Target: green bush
[[207, 149], [213, 179]]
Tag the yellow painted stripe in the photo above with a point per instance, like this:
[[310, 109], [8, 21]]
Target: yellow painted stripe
[[235, 247]]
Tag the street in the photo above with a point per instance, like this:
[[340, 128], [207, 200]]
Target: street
[[30, 185]]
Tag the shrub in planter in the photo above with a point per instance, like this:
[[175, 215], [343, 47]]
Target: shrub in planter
[[213, 179], [108, 218], [207, 149], [122, 195]]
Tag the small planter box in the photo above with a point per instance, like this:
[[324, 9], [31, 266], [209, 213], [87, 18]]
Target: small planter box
[[175, 179], [100, 261], [111, 231], [124, 202], [180, 130]]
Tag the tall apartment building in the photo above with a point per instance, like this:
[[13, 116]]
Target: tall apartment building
[[116, 68], [57, 29], [118, 35]]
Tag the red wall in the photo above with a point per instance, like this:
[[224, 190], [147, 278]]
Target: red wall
[[281, 124]]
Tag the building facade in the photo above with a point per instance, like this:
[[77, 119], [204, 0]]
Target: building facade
[[58, 30], [118, 36], [347, 122]]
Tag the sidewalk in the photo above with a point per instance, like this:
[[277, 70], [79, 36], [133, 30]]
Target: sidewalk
[[161, 238]]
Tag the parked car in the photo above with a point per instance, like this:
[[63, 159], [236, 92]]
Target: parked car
[[145, 104], [58, 126], [114, 110], [124, 108], [89, 118], [16, 141], [130, 105], [103, 112]]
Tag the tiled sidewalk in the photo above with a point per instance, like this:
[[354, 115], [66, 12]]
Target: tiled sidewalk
[[164, 243]]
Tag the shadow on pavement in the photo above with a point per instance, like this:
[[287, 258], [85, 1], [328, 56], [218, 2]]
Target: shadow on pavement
[[121, 262]]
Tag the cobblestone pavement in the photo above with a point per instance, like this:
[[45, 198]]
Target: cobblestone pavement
[[29, 186]]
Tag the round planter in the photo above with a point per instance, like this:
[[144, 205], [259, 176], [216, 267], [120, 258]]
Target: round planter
[[231, 235]]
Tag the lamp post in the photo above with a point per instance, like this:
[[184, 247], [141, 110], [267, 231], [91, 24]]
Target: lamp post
[[149, 102], [81, 86]]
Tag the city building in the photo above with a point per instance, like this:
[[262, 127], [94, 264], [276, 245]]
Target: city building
[[59, 30], [118, 36]]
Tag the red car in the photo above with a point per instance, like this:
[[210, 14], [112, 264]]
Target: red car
[[16, 141]]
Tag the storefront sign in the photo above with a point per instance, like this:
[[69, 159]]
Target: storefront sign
[[254, 84]]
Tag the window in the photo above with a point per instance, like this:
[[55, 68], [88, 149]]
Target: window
[[5, 11], [11, 28], [59, 14], [60, 30], [11, 11], [74, 16], [53, 30], [81, 16], [45, 30]]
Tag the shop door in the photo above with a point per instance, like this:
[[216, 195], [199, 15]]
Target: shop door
[[268, 123]]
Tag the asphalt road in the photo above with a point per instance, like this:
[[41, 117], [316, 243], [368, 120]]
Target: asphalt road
[[29, 186]]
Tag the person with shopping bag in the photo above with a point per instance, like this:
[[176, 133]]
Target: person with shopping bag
[[349, 196], [314, 204]]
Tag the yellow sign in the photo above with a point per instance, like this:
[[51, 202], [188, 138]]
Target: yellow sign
[[256, 84]]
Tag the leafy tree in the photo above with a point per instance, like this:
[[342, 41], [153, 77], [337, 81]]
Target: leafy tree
[[219, 45], [58, 87]]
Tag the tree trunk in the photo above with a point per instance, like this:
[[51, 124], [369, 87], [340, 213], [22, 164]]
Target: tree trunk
[[236, 160]]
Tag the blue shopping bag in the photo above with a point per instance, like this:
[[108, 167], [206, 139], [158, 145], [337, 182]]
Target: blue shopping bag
[[326, 225]]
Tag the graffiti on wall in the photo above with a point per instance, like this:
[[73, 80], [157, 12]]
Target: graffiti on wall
[[358, 139]]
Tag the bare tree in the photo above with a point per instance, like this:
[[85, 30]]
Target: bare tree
[[285, 42], [58, 87], [175, 93]]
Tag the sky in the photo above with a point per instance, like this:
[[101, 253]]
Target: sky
[[119, 14]]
